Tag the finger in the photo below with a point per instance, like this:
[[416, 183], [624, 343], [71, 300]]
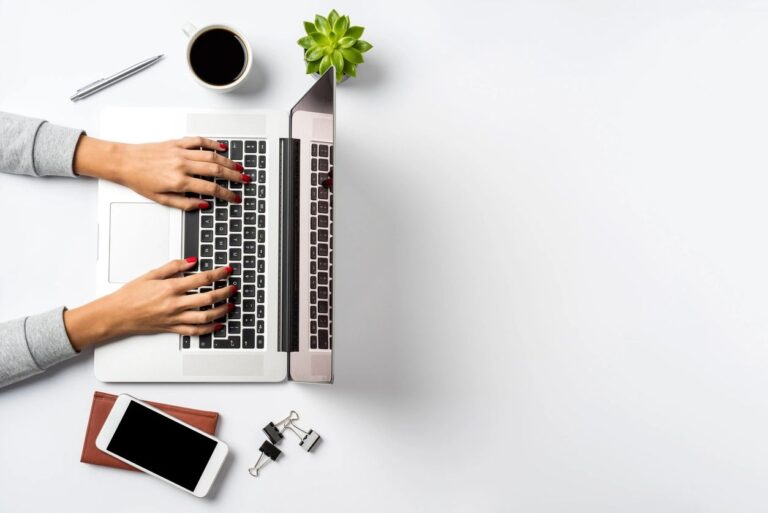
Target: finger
[[202, 279], [217, 170], [207, 188], [207, 298], [181, 202], [204, 316], [201, 142], [211, 157], [172, 268], [195, 329]]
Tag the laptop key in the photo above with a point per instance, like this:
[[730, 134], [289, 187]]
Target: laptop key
[[206, 236], [260, 311], [249, 320], [249, 262], [249, 339], [206, 264], [262, 146], [250, 218], [250, 161], [314, 150], [221, 228], [322, 165], [259, 326], [235, 239], [259, 341], [322, 321], [233, 327], [249, 276], [221, 258], [260, 281], [249, 247], [207, 222], [262, 251], [185, 342], [262, 161], [322, 307], [205, 341], [323, 150], [322, 339], [249, 232], [221, 243], [249, 291], [313, 342], [235, 254], [236, 269], [262, 207], [249, 305], [236, 210], [236, 225], [250, 147], [236, 150], [250, 202], [206, 251]]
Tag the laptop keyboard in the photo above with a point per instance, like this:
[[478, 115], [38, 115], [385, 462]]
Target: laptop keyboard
[[321, 247], [236, 235]]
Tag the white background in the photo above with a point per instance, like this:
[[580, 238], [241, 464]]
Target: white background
[[551, 270]]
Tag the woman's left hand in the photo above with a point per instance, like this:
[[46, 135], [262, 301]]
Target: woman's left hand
[[164, 171]]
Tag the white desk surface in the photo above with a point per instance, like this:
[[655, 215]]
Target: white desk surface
[[551, 287]]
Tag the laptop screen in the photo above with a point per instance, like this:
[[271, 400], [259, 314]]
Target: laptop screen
[[308, 242]]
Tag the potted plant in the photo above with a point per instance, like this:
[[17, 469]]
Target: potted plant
[[331, 41]]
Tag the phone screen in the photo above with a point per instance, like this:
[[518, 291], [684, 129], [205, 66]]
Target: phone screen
[[161, 445]]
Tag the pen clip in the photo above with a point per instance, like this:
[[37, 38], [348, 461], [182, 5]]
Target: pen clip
[[89, 85]]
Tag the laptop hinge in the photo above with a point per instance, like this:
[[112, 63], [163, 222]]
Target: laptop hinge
[[288, 339]]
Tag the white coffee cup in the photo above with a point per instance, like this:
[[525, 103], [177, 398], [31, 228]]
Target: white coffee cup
[[194, 34]]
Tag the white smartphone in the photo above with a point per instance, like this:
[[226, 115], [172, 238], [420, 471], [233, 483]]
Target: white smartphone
[[160, 445]]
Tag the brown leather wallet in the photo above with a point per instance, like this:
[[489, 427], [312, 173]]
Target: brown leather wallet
[[102, 405]]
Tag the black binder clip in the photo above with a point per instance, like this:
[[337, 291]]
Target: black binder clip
[[308, 438], [274, 430], [268, 453]]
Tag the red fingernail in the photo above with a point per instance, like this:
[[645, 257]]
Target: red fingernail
[[238, 167], [229, 269], [223, 146], [237, 198], [246, 178], [191, 260], [217, 327], [204, 205], [230, 307], [234, 288]]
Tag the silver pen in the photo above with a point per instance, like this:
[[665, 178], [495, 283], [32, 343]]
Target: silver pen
[[95, 87]]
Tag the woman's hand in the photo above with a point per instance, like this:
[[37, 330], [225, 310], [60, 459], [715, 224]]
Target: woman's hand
[[162, 171], [154, 303]]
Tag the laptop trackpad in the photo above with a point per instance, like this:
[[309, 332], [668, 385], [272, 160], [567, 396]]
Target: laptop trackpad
[[138, 239]]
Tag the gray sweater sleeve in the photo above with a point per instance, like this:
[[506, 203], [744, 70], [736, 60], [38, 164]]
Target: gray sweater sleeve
[[36, 148]]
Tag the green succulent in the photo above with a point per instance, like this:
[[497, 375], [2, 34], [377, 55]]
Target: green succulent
[[331, 41]]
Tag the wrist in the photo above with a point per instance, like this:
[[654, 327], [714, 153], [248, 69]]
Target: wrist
[[89, 324], [99, 159]]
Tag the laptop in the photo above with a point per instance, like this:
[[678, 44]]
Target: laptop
[[279, 241]]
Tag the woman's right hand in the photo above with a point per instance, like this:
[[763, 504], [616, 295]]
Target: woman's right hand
[[153, 303]]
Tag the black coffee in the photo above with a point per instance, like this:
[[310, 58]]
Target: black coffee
[[217, 57]]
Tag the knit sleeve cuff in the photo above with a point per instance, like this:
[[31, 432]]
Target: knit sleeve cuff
[[47, 338], [54, 150]]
